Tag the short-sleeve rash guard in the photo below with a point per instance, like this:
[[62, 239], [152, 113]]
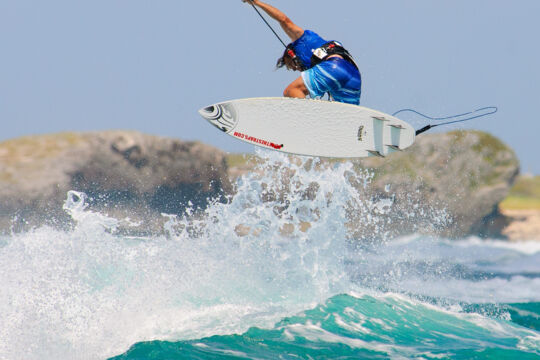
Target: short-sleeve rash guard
[[306, 44]]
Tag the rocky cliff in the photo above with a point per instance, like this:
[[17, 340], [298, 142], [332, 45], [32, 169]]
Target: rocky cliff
[[467, 173], [124, 174]]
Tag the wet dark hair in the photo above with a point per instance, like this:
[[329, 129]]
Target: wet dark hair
[[281, 61]]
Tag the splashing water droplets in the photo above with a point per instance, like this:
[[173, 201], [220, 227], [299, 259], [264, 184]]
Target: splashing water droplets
[[279, 245]]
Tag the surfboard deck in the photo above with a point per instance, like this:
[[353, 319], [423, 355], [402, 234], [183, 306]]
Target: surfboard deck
[[311, 127]]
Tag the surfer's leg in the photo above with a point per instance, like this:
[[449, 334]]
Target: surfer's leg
[[334, 76], [296, 89], [314, 82]]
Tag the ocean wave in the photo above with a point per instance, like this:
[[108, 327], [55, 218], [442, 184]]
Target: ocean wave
[[261, 259], [362, 326]]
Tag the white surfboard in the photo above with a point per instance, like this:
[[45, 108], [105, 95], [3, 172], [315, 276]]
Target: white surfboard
[[311, 127]]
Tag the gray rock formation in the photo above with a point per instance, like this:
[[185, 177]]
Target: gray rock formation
[[123, 173], [465, 173]]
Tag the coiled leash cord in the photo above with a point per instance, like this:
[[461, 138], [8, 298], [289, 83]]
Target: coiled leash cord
[[469, 116]]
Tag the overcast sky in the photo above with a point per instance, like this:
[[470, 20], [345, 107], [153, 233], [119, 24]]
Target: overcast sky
[[150, 65]]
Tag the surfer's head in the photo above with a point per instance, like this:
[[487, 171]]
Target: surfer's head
[[290, 60]]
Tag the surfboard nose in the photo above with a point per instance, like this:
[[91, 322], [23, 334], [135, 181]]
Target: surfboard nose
[[208, 112], [222, 116]]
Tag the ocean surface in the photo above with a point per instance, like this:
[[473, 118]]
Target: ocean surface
[[273, 273]]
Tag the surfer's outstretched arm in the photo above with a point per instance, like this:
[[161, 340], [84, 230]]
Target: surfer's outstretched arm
[[294, 31]]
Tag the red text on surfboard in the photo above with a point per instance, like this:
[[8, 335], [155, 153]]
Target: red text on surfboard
[[258, 141]]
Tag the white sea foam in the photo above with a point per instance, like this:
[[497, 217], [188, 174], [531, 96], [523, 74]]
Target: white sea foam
[[525, 247], [469, 270]]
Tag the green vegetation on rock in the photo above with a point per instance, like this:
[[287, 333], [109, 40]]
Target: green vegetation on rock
[[524, 195], [36, 147]]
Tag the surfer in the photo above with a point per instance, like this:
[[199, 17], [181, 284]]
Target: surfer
[[325, 65]]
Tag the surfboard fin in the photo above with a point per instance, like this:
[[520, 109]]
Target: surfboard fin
[[375, 153], [397, 126], [395, 147], [381, 118]]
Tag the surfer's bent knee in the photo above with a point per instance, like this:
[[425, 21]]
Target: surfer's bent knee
[[296, 89]]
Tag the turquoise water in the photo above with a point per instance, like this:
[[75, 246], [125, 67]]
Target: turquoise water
[[249, 279], [369, 327]]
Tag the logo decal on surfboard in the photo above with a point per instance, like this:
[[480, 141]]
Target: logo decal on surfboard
[[222, 116], [361, 133], [258, 141]]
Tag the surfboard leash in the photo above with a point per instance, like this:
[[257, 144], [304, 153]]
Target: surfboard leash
[[470, 115], [266, 22]]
